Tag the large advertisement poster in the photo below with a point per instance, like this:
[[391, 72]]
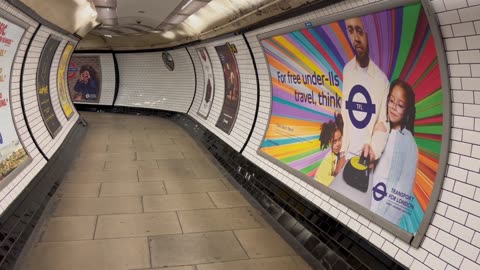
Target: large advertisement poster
[[357, 105], [62, 81], [84, 79], [209, 83], [13, 156], [231, 100], [43, 86]]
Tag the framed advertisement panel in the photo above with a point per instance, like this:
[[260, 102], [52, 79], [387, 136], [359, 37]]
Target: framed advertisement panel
[[13, 156], [63, 95], [231, 100], [208, 82], [43, 86], [85, 79], [360, 110]]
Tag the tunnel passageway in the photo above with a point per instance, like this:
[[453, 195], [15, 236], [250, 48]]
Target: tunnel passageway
[[141, 194]]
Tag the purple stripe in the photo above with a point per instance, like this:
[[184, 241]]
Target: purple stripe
[[287, 111], [374, 50], [338, 45], [307, 161], [385, 22]]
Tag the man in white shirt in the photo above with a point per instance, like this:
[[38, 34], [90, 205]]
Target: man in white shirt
[[365, 91]]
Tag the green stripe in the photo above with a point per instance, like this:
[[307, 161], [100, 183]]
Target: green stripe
[[299, 156], [410, 20], [433, 111], [429, 145], [429, 153], [435, 98], [310, 168], [433, 129], [430, 106]]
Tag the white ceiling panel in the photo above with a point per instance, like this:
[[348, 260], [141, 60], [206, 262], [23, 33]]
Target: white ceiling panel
[[154, 10]]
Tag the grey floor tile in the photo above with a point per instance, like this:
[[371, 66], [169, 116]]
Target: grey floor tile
[[97, 206], [132, 189], [229, 185], [106, 175], [177, 202], [160, 155], [205, 170], [191, 267], [112, 254], [83, 165], [157, 140], [210, 220], [69, 228], [276, 263], [263, 242], [116, 226], [107, 156], [116, 148], [187, 249], [228, 199], [200, 185], [122, 140], [166, 173], [79, 190], [137, 164]]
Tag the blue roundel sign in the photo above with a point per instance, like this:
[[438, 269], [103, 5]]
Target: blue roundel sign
[[367, 107], [379, 191]]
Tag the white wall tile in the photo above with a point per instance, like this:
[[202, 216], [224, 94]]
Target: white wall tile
[[146, 82]]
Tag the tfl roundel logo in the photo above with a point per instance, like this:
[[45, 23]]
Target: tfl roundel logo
[[379, 191], [368, 107]]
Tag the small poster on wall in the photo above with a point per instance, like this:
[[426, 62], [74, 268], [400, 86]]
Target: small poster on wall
[[43, 86], [84, 79], [231, 100], [13, 156], [358, 109], [62, 81], [209, 83]]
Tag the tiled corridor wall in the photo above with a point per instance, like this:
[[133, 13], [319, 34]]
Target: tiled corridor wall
[[248, 91], [453, 237], [145, 81], [47, 144]]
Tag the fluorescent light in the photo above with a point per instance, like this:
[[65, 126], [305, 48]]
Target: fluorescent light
[[188, 3], [193, 7], [108, 35], [176, 19]]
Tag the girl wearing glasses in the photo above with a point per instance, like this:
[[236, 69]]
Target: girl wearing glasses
[[395, 171]]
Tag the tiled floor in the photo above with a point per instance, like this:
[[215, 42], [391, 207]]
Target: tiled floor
[[142, 195]]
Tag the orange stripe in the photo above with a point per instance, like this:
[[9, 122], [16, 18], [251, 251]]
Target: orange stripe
[[342, 38]]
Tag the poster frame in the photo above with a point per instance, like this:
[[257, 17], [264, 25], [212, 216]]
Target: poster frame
[[413, 239], [54, 133], [99, 88], [205, 90], [65, 77], [229, 45], [17, 171]]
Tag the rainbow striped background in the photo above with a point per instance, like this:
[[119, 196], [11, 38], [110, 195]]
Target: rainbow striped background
[[401, 44]]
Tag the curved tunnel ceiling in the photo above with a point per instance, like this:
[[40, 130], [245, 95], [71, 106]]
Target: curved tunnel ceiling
[[144, 24]]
